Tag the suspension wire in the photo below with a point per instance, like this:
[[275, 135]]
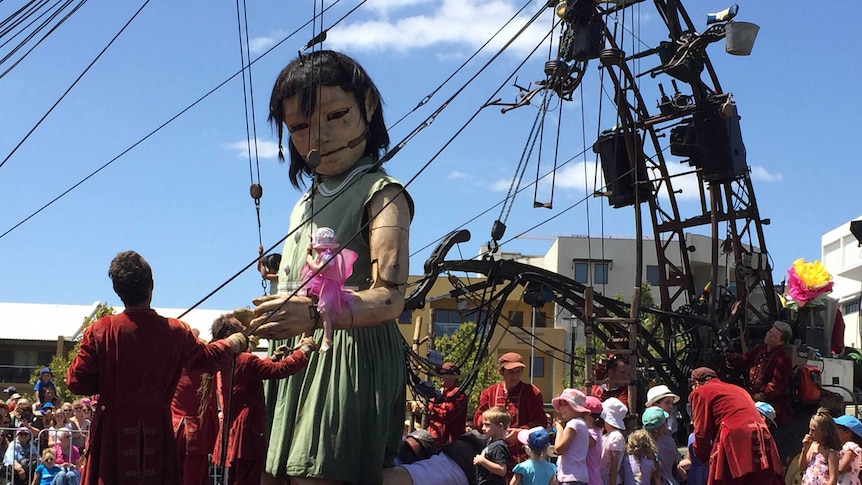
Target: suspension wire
[[155, 130], [74, 83], [586, 183], [540, 136], [509, 201], [430, 119], [386, 157], [19, 17], [428, 97], [39, 29], [241, 12], [547, 174]]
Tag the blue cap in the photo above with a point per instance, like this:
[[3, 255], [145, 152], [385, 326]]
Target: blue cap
[[654, 417], [44, 370], [851, 423], [47, 405], [536, 438]]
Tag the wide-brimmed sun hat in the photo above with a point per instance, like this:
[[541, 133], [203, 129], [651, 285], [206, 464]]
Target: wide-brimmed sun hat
[[571, 397], [657, 393], [614, 412]]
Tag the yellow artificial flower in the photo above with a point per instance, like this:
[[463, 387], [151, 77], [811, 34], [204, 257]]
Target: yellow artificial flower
[[813, 275]]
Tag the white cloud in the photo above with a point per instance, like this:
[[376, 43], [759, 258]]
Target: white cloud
[[470, 22], [265, 149], [387, 5], [573, 176], [260, 44], [500, 185], [760, 174], [457, 175]]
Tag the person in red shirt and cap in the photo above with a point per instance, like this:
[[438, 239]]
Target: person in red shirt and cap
[[447, 416], [523, 402]]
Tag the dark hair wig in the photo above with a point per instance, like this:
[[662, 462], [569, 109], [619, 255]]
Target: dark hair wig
[[324, 68], [132, 278]]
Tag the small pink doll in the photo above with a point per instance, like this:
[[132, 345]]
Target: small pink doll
[[331, 269]]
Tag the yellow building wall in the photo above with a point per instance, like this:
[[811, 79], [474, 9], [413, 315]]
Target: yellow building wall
[[550, 343]]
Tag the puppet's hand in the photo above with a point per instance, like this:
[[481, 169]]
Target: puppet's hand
[[280, 317]]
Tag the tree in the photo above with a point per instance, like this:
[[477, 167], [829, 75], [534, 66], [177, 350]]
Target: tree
[[60, 363], [457, 348]]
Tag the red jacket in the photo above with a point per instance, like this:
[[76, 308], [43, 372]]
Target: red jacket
[[195, 436], [247, 435], [448, 418], [133, 361], [769, 374], [525, 405], [730, 434]]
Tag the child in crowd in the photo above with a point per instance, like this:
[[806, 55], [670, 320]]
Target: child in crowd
[[573, 437], [45, 379], [768, 412], [641, 466], [47, 471], [492, 462], [654, 419], [698, 472], [594, 425], [536, 469], [850, 456], [613, 443], [819, 456]]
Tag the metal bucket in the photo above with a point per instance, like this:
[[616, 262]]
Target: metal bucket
[[740, 37]]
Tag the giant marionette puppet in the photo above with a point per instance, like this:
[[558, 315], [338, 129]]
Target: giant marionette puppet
[[340, 419]]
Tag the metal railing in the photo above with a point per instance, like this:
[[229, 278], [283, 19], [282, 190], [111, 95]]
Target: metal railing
[[28, 453]]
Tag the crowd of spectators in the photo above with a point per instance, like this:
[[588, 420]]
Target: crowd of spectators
[[31, 430]]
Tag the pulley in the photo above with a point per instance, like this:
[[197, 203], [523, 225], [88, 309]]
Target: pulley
[[256, 191]]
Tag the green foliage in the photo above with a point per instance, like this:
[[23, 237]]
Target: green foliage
[[60, 363], [456, 348]]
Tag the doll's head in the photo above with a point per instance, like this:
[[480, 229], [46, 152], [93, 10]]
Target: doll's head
[[323, 238], [298, 86]]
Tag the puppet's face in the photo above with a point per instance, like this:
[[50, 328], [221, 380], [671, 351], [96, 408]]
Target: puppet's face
[[336, 129]]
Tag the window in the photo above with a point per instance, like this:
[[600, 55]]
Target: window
[[516, 318], [600, 273], [405, 317], [582, 272], [541, 319], [446, 322], [851, 306], [538, 367], [652, 275]]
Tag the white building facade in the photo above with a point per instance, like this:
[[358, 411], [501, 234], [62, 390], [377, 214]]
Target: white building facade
[[842, 256]]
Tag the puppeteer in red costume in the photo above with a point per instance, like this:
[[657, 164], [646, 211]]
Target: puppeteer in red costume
[[133, 361], [522, 400], [769, 368], [246, 446], [195, 424], [730, 434], [447, 416]]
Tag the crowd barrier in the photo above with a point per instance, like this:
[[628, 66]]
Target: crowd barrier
[[31, 452]]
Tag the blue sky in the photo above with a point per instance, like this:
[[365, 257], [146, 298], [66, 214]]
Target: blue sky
[[181, 198]]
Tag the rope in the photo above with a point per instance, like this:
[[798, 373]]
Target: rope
[[74, 83]]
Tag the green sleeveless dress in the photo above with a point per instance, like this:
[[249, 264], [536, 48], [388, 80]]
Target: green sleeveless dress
[[341, 418]]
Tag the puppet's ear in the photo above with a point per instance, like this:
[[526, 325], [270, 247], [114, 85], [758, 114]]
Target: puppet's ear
[[371, 103]]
